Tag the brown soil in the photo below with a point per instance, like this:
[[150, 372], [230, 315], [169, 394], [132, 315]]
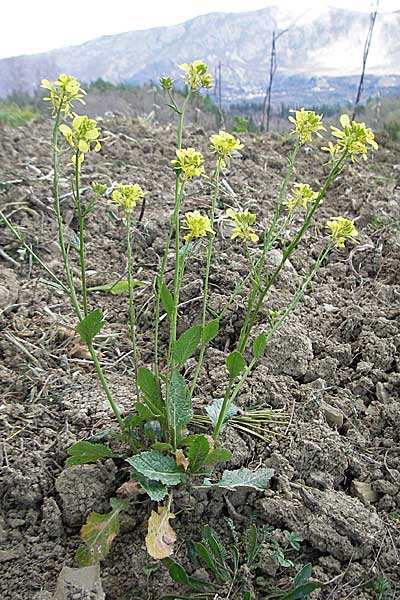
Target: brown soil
[[335, 368]]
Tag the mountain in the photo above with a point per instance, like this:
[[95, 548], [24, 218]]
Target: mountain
[[319, 47]]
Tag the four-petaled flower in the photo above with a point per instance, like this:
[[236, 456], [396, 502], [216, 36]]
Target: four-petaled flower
[[306, 123], [224, 144], [195, 75], [63, 92], [198, 225], [83, 134], [127, 196], [242, 224], [302, 194], [353, 139], [188, 163], [340, 229]]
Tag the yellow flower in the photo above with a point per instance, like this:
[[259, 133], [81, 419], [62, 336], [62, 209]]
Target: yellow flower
[[188, 163], [167, 83], [197, 224], [302, 195], [83, 134], [127, 196], [242, 224], [306, 123], [63, 92], [195, 75], [340, 229], [353, 139], [224, 143]]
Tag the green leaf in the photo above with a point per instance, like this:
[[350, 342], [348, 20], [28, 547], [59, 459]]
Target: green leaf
[[187, 343], [83, 452], [207, 557], [116, 287], [213, 411], [179, 406], [218, 455], [247, 596], [178, 574], [98, 534], [91, 325], [161, 446], [251, 543], [210, 331], [144, 412], [235, 364], [167, 300], [303, 575], [155, 489], [150, 389], [216, 547], [198, 453], [259, 345], [243, 477], [301, 592], [155, 465]]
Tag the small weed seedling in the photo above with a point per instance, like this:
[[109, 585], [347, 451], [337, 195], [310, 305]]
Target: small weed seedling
[[230, 572], [161, 448]]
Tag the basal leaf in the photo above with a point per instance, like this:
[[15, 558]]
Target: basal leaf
[[259, 345], [167, 300], [303, 575], [213, 410], [302, 592], [155, 489], [243, 477], [156, 466], [161, 537], [179, 406], [187, 343], [91, 325], [83, 452], [98, 534], [198, 452], [210, 331], [235, 364]]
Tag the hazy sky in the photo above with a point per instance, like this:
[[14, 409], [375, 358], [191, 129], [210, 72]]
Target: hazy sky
[[36, 26]]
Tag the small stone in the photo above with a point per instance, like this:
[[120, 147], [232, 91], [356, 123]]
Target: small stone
[[10, 554], [333, 416], [364, 492], [381, 486]]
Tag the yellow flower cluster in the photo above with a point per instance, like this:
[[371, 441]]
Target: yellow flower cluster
[[198, 225], [224, 144], [341, 229], [83, 134], [302, 194], [353, 139], [188, 163], [306, 123], [63, 92], [242, 224], [195, 75], [127, 196], [167, 83]]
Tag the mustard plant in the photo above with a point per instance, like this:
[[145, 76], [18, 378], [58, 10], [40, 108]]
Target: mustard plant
[[164, 449]]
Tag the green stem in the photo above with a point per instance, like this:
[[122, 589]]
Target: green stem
[[252, 265], [132, 312], [77, 196], [289, 250], [104, 384], [160, 276], [57, 209], [208, 266], [224, 409]]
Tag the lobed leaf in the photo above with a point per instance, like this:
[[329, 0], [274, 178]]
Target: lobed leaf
[[243, 477]]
